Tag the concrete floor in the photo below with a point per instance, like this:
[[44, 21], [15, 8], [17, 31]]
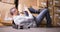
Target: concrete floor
[[10, 29]]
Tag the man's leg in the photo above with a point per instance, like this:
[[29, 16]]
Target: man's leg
[[32, 10], [40, 17], [48, 19]]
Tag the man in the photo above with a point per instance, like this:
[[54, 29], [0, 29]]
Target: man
[[39, 18], [21, 19]]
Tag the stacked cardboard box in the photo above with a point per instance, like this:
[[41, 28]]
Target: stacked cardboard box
[[56, 12], [5, 9], [28, 2], [8, 1]]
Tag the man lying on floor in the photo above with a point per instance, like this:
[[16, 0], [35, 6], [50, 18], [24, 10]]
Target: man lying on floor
[[24, 19]]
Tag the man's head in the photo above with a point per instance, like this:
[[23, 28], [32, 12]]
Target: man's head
[[14, 11]]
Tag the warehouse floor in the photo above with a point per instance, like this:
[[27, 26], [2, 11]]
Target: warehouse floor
[[10, 29]]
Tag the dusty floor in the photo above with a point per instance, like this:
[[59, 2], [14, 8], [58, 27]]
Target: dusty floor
[[10, 29]]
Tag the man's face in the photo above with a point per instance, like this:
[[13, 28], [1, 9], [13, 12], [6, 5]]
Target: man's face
[[15, 12]]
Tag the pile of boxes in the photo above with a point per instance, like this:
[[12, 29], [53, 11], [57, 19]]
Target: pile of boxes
[[57, 16], [8, 1], [5, 7]]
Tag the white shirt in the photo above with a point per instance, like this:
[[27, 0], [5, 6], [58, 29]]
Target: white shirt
[[26, 21], [18, 19]]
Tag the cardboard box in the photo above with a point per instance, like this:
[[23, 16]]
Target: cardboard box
[[28, 2], [5, 11], [8, 1]]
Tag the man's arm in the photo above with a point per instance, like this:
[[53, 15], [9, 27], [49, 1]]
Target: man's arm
[[30, 15], [26, 9]]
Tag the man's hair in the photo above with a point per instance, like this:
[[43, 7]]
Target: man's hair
[[12, 11]]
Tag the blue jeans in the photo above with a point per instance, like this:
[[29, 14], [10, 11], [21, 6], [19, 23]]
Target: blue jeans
[[32, 10], [42, 14], [40, 17]]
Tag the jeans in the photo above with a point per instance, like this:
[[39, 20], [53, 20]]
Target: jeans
[[32, 10], [40, 17], [42, 14]]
